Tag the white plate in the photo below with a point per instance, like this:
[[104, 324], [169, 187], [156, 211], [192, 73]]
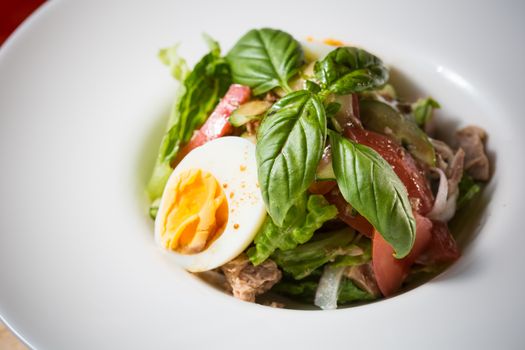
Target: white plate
[[81, 112]]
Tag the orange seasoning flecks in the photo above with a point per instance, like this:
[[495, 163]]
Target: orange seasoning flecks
[[236, 226], [242, 167], [310, 38], [231, 195], [225, 185]]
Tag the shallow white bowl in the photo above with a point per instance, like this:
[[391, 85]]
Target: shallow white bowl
[[82, 106]]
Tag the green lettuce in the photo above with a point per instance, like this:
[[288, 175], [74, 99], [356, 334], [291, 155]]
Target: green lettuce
[[304, 290], [422, 110], [324, 247], [468, 189], [199, 94], [299, 228]]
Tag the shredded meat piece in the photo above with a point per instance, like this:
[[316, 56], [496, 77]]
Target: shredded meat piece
[[247, 280], [271, 97], [443, 154], [363, 276], [472, 139]]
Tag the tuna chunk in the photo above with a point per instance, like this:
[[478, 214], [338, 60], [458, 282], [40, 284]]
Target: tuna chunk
[[471, 139], [363, 277], [247, 280]]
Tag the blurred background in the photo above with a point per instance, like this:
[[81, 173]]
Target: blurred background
[[12, 13]]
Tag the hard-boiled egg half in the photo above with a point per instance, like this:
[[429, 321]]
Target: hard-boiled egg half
[[211, 208]]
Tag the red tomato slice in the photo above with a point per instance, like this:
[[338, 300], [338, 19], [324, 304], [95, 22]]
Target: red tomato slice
[[218, 124], [391, 272], [442, 248], [322, 187], [347, 215], [402, 163]]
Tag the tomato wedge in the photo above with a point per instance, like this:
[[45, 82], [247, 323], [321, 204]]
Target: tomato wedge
[[391, 272], [218, 124], [347, 215], [442, 248], [402, 163]]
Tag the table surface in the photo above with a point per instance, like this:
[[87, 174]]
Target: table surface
[[12, 13]]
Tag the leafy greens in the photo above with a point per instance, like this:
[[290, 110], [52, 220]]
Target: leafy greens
[[304, 222], [290, 145], [264, 59], [201, 90], [370, 185], [349, 69]]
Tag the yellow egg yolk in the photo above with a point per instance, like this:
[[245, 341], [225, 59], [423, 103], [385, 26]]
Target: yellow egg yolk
[[196, 212]]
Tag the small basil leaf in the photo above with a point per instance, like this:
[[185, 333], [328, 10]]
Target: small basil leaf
[[349, 69], [264, 59], [370, 185], [290, 145]]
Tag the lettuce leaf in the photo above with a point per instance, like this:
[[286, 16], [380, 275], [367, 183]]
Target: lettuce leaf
[[324, 247], [195, 100], [422, 110], [468, 189], [304, 290], [299, 227], [178, 67]]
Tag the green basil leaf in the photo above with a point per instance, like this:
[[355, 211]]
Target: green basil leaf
[[370, 185], [349, 69], [306, 258], [264, 59], [196, 99], [290, 145], [422, 110], [299, 228]]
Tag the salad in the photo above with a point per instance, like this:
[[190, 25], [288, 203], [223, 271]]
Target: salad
[[290, 177]]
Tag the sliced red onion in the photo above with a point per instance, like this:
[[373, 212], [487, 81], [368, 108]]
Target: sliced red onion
[[444, 208], [328, 288]]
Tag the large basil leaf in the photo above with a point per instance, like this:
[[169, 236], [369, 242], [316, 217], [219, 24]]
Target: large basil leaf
[[264, 59], [290, 144], [198, 95], [349, 69], [299, 228], [370, 185]]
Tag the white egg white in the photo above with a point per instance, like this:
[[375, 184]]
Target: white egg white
[[232, 161]]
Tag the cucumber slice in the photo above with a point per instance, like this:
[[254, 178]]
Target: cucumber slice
[[248, 112], [325, 171], [384, 119]]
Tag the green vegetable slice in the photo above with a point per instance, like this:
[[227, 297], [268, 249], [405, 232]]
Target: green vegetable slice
[[290, 144], [264, 59], [370, 185], [349, 69], [384, 119], [303, 223], [196, 99]]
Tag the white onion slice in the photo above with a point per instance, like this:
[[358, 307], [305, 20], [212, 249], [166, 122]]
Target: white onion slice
[[440, 202], [444, 208], [328, 288]]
